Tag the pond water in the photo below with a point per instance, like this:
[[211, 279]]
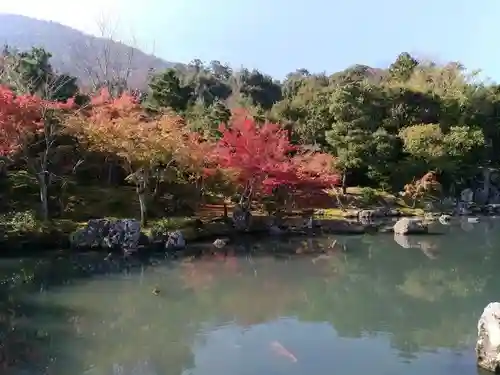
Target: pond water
[[327, 305]]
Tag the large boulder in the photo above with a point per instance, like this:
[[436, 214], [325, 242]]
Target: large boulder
[[488, 341], [408, 225], [104, 233]]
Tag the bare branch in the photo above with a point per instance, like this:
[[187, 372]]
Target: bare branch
[[109, 67]]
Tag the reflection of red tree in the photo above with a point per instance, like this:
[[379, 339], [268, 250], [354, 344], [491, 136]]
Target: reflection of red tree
[[200, 274], [196, 277], [258, 303]]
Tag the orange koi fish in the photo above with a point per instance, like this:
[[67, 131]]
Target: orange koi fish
[[281, 350]]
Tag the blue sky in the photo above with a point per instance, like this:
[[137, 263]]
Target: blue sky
[[278, 36]]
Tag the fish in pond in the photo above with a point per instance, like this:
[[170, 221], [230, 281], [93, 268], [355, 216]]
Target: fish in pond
[[282, 351]]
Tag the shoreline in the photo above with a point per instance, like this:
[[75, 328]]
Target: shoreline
[[58, 239]]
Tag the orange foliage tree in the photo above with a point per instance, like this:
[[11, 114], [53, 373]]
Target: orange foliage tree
[[427, 186], [120, 127]]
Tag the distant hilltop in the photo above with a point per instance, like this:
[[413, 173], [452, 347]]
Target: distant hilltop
[[75, 52]]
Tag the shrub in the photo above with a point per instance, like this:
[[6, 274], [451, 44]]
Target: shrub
[[368, 196], [167, 224], [24, 222]]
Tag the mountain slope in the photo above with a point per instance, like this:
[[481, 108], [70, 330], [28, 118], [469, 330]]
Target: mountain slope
[[77, 53]]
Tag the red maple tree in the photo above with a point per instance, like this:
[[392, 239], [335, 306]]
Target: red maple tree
[[261, 158], [22, 117]]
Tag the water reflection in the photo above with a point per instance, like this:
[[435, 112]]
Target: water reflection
[[358, 304]]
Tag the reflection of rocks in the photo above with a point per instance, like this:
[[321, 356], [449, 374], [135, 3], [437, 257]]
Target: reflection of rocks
[[408, 225], [488, 342], [466, 225], [103, 233], [407, 242]]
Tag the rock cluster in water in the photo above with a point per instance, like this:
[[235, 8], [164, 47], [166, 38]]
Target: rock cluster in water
[[106, 233], [123, 234], [488, 341]]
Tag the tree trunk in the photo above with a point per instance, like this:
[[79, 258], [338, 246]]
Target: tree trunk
[[143, 207], [344, 180], [110, 173], [141, 185], [44, 199]]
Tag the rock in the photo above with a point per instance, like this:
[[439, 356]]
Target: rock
[[408, 225], [351, 214], [366, 215], [488, 341], [463, 209], [309, 223], [340, 227], [241, 218], [493, 208], [175, 241], [444, 219], [393, 213], [219, 244], [125, 233], [467, 195], [103, 233]]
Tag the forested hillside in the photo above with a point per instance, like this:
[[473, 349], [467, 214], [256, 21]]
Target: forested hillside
[[86, 57]]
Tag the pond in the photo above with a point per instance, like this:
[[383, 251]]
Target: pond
[[348, 305]]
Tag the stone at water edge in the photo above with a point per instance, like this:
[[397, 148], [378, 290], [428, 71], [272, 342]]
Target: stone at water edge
[[219, 244], [488, 340], [241, 218], [175, 241], [409, 225], [107, 233], [445, 219]]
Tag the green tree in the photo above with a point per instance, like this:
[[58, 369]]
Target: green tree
[[403, 67], [449, 151], [167, 91], [30, 72]]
